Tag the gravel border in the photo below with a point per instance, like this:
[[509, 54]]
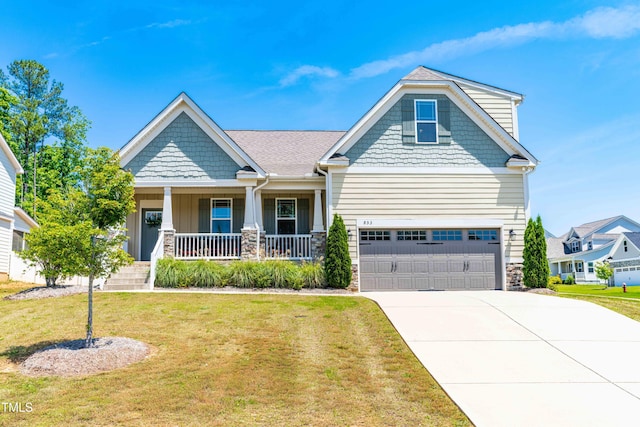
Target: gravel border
[[40, 292], [71, 359]]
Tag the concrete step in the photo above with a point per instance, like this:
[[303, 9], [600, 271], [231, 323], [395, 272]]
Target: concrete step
[[131, 277]]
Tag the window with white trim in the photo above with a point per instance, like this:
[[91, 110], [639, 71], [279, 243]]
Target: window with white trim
[[286, 216], [578, 267], [590, 267], [575, 246], [18, 244], [221, 215], [426, 111]]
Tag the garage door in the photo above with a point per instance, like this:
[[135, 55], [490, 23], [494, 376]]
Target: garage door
[[628, 275], [429, 259]]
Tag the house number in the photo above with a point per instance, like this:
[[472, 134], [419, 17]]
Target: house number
[[367, 222]]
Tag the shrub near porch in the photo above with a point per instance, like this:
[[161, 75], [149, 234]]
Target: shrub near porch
[[173, 273]]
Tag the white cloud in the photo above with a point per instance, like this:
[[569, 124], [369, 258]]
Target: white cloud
[[169, 24], [307, 71], [602, 22]]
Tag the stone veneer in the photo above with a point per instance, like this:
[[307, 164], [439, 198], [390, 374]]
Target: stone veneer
[[514, 276], [353, 286], [169, 243], [250, 244], [318, 244]]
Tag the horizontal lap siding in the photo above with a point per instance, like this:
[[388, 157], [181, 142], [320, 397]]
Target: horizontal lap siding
[[498, 107], [364, 196]]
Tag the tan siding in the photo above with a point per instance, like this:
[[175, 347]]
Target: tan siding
[[498, 107], [403, 196]]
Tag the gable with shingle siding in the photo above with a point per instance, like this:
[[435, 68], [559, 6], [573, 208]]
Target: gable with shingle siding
[[182, 151], [468, 146]]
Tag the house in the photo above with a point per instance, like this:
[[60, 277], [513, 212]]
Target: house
[[431, 182], [9, 168], [576, 252], [625, 259]]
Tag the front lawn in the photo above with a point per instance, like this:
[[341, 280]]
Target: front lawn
[[612, 298], [222, 360]]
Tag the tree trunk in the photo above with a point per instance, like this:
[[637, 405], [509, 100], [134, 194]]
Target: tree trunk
[[89, 340]]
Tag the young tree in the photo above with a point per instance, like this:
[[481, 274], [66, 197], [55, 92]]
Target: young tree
[[603, 271], [535, 266], [92, 216], [337, 264], [37, 112]]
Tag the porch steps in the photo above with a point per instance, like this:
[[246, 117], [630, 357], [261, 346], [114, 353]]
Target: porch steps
[[131, 277]]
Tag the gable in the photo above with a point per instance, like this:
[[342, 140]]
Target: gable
[[391, 140], [625, 247], [182, 151]]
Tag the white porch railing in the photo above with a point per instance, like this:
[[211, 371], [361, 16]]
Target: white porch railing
[[289, 246], [156, 254], [208, 245]]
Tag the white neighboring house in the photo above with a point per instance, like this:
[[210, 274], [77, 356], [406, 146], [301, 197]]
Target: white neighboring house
[[626, 259], [9, 169], [576, 252]]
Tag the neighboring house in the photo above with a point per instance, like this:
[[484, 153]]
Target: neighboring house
[[431, 182], [9, 168], [625, 259], [576, 252]]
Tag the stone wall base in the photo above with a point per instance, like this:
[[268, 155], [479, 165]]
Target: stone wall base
[[514, 277], [249, 243]]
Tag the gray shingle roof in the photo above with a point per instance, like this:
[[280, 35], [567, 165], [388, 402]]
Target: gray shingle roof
[[555, 247], [589, 227], [634, 238], [285, 152]]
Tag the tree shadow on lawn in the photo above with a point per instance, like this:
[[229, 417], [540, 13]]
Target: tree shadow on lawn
[[19, 353]]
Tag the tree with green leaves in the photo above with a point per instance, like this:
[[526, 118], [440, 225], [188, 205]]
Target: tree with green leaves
[[603, 271], [88, 219], [535, 266], [337, 264], [37, 114]]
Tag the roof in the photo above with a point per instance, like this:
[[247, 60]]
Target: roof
[[555, 247], [12, 158], [591, 227], [285, 152], [633, 237]]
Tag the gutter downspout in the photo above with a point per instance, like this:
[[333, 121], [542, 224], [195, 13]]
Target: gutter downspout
[[259, 187], [326, 195]]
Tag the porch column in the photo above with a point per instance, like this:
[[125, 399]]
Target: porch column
[[167, 213], [167, 224], [318, 224], [249, 221], [258, 208]]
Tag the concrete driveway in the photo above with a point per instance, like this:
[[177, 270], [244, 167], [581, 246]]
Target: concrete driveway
[[520, 359]]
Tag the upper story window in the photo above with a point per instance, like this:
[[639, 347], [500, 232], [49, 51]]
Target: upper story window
[[221, 215], [625, 246], [426, 121], [575, 246], [589, 245], [286, 216]]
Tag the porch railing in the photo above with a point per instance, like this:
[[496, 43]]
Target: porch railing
[[208, 245], [288, 246], [156, 254]]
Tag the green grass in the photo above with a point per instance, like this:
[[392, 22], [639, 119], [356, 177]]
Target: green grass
[[612, 298], [223, 360]]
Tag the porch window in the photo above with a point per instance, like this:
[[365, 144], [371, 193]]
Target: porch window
[[286, 216], [426, 121], [221, 215]]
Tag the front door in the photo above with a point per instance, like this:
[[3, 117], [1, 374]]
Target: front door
[[151, 221]]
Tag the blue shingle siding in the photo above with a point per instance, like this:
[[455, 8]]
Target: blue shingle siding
[[468, 146], [183, 151]]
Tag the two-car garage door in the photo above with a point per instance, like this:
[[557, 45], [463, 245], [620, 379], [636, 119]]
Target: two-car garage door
[[452, 259]]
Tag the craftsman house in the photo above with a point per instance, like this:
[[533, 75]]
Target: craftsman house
[[431, 183]]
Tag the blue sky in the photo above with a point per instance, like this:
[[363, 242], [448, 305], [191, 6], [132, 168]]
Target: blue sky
[[322, 65]]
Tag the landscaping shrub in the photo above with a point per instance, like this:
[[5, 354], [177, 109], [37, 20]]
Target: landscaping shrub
[[241, 274], [205, 274], [535, 266], [337, 265], [312, 275], [171, 273], [569, 281], [554, 280]]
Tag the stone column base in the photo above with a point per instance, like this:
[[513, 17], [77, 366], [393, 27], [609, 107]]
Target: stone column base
[[514, 276], [353, 286], [318, 244], [249, 243], [169, 243]]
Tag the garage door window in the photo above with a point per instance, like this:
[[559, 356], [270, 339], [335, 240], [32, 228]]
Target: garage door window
[[370, 235], [439, 235], [412, 235], [483, 235]]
